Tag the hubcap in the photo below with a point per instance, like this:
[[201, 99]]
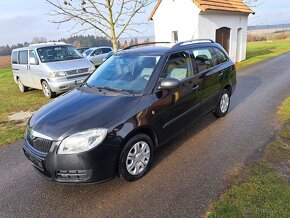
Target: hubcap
[[45, 89], [224, 104], [138, 158]]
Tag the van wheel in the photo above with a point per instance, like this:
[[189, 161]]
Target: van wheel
[[46, 90], [223, 104], [136, 157], [22, 87]]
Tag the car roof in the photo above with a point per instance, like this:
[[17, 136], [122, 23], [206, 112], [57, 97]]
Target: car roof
[[160, 49]]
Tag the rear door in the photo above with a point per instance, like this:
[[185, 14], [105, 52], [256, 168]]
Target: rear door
[[97, 57], [210, 77], [23, 68]]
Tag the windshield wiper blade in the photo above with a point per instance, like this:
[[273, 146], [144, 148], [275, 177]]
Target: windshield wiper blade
[[113, 89]]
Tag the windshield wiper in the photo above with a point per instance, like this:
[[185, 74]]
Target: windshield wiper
[[126, 92]]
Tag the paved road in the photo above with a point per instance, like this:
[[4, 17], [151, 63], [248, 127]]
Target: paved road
[[188, 173]]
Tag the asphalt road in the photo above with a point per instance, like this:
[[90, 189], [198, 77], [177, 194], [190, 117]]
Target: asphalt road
[[188, 174]]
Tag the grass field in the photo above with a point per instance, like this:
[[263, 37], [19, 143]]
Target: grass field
[[262, 190], [261, 51], [12, 101]]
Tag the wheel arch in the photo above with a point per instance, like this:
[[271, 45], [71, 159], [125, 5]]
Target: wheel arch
[[228, 87]]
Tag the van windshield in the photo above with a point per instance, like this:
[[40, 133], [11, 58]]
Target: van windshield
[[128, 72], [58, 53]]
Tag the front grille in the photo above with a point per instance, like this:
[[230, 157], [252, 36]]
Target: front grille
[[40, 144], [78, 71]]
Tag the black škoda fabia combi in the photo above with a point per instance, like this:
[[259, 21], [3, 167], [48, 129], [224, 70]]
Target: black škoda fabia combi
[[134, 102]]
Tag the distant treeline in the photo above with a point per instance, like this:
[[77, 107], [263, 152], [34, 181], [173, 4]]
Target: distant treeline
[[265, 27], [77, 41]]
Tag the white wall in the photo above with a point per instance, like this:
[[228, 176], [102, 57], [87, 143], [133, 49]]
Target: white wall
[[176, 15], [210, 21], [186, 18]]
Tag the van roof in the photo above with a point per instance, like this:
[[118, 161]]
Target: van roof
[[40, 45]]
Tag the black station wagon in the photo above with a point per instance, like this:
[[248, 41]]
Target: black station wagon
[[133, 103]]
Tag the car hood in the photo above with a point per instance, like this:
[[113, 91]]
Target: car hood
[[78, 110], [69, 65]]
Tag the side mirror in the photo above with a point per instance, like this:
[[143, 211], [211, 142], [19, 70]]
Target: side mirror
[[33, 61], [169, 83]]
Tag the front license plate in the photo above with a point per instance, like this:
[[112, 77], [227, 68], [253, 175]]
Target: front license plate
[[36, 162]]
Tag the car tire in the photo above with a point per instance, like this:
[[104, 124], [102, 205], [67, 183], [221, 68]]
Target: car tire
[[46, 90], [223, 104], [22, 87], [136, 157]]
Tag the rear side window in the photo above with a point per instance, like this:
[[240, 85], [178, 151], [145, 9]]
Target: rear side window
[[178, 67], [97, 52], [106, 50], [14, 57], [221, 56], [23, 57], [205, 58]]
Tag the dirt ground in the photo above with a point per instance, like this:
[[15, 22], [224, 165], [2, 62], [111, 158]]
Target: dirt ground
[[5, 62]]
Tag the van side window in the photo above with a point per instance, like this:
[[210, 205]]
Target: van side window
[[204, 59], [14, 57], [221, 56], [178, 67], [23, 57]]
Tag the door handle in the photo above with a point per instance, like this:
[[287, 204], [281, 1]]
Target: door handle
[[221, 74], [196, 87]]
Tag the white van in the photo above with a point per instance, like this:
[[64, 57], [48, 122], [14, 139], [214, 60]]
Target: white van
[[52, 67]]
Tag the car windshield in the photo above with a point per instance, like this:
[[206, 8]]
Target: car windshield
[[87, 52], [58, 53], [124, 72]]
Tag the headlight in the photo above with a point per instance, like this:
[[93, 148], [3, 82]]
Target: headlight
[[56, 74], [82, 141], [92, 69]]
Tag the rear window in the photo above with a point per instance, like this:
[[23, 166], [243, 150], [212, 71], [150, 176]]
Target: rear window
[[14, 57], [23, 57]]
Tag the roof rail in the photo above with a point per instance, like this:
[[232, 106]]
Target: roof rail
[[147, 43], [179, 44]]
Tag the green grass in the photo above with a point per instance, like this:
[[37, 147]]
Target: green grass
[[261, 191], [12, 101], [261, 51], [284, 111]]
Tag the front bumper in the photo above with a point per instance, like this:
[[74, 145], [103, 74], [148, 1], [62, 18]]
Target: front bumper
[[60, 85], [97, 165]]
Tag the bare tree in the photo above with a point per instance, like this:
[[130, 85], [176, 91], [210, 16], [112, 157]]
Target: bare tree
[[111, 18], [40, 39]]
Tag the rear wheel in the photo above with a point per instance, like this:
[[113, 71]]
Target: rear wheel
[[136, 157], [46, 90], [22, 87], [223, 104]]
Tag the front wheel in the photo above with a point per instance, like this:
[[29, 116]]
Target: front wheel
[[46, 90], [136, 157], [223, 104]]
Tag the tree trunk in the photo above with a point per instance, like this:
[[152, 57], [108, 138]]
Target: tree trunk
[[115, 44]]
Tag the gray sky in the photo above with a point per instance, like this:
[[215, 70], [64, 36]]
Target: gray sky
[[21, 20]]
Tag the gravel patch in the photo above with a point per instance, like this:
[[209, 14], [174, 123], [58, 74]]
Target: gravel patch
[[22, 115]]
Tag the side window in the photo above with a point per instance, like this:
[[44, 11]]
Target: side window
[[221, 56], [178, 66], [23, 57], [97, 52], [203, 58], [106, 50], [14, 57], [32, 54]]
